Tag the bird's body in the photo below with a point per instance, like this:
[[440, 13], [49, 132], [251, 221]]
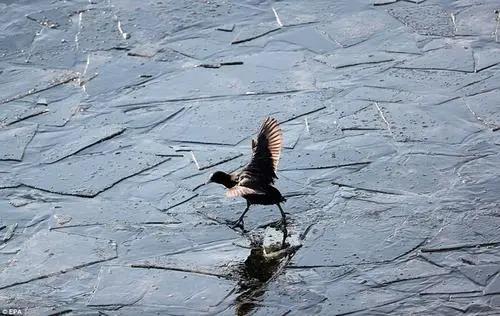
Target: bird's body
[[255, 181], [253, 191]]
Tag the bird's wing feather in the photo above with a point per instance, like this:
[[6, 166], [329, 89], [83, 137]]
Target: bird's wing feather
[[239, 190], [266, 153]]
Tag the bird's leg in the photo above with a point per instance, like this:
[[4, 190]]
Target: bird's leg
[[239, 223], [283, 222]]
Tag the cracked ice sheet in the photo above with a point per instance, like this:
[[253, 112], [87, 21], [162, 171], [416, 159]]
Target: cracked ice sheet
[[402, 271], [319, 159], [79, 140], [15, 140], [152, 21], [292, 133], [162, 193], [17, 35], [54, 18], [175, 242], [351, 30], [448, 123], [308, 38], [54, 48], [205, 158], [466, 231], [341, 60], [476, 20], [199, 48], [421, 81], [359, 242], [416, 173], [494, 286], [485, 107], [486, 57], [262, 73], [55, 294], [291, 15], [383, 94], [458, 58], [116, 72], [325, 293], [15, 112], [98, 212], [480, 274], [89, 175], [251, 32], [214, 258], [51, 253], [98, 31], [145, 117], [424, 19], [8, 181], [476, 177], [14, 86], [230, 121], [174, 291], [453, 284], [62, 102]]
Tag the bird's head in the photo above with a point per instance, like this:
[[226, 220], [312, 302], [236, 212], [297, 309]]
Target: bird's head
[[218, 177]]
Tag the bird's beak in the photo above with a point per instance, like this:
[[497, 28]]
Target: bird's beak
[[208, 181]]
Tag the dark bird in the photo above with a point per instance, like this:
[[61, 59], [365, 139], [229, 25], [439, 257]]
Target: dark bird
[[255, 181]]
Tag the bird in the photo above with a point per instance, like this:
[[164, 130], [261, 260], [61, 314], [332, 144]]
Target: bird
[[255, 181]]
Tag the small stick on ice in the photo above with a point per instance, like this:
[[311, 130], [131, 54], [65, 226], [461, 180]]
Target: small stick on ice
[[454, 21], [124, 34], [277, 17]]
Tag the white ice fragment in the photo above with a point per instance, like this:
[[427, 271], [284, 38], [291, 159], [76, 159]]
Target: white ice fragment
[[272, 244]]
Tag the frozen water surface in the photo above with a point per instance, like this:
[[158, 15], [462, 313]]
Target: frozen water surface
[[113, 114]]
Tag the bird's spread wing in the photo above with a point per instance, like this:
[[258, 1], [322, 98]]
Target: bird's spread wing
[[239, 190], [269, 143], [266, 153]]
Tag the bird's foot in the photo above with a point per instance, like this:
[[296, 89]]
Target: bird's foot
[[285, 235], [236, 224]]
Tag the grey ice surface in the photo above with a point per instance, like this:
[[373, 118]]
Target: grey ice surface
[[114, 113]]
